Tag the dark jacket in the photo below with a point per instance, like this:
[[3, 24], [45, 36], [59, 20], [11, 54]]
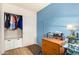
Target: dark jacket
[[7, 20], [20, 23]]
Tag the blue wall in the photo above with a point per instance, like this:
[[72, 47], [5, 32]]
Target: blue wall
[[52, 17]]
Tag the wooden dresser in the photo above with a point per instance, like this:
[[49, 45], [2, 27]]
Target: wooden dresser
[[52, 46]]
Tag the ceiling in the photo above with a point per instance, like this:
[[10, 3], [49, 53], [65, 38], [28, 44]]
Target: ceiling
[[32, 6]]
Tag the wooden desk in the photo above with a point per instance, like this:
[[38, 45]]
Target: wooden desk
[[52, 46]]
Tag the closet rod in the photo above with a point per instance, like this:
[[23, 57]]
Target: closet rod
[[12, 14]]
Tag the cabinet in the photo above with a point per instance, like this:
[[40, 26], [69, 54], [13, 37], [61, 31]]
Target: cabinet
[[52, 46], [14, 43]]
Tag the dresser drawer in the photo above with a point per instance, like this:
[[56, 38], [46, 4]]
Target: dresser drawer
[[49, 51], [52, 45], [46, 42]]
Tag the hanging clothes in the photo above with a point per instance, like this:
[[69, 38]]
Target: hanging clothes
[[7, 20], [13, 22], [20, 23]]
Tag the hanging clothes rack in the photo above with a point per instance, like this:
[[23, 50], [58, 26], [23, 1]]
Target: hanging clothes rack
[[12, 14]]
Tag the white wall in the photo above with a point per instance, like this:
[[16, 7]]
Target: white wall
[[29, 23], [0, 30]]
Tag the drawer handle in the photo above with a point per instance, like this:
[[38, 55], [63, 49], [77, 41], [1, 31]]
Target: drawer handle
[[8, 40], [54, 49]]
